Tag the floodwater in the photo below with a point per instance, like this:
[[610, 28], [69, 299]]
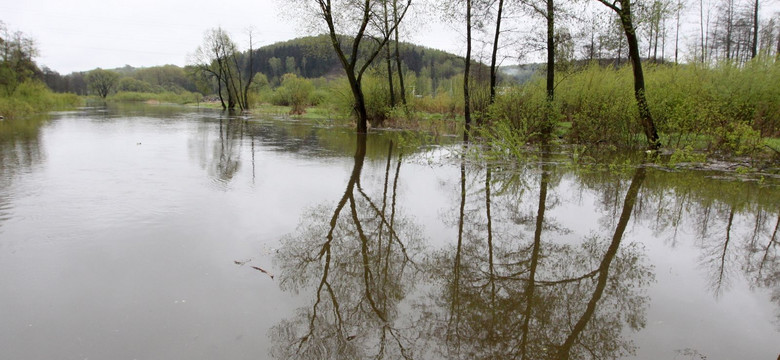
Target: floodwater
[[175, 233]]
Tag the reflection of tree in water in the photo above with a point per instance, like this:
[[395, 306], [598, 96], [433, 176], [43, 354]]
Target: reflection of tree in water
[[762, 262], [505, 296], [223, 159], [20, 150], [356, 261], [733, 224]]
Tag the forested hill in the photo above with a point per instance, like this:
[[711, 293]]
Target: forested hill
[[309, 57], [313, 57]]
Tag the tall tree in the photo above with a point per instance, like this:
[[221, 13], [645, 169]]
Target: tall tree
[[359, 19], [387, 53], [493, 65], [548, 13], [623, 10], [102, 82], [218, 59], [467, 70], [754, 48], [17, 52], [398, 55]]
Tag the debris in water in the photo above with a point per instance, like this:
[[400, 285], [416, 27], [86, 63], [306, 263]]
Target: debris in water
[[263, 271], [241, 262]]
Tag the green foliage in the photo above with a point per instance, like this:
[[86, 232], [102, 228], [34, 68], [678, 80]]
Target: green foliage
[[724, 108], [739, 138], [687, 155], [294, 92], [720, 103], [599, 102], [133, 85], [102, 82], [526, 110], [170, 97], [32, 97]]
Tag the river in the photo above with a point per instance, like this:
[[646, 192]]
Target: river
[[154, 232]]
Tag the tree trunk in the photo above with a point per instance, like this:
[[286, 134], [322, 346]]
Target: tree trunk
[[360, 103], [677, 32], [755, 31], [493, 69], [251, 73], [398, 55], [639, 79], [466, 98], [548, 126], [550, 51], [387, 58], [729, 27], [701, 26]]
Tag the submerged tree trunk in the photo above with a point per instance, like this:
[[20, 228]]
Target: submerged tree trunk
[[493, 69]]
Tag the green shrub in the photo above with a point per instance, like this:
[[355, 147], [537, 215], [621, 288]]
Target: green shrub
[[184, 97], [32, 97], [294, 92]]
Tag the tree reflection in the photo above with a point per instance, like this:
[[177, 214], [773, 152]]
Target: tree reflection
[[227, 152], [536, 298], [20, 150], [356, 263], [762, 263], [223, 159]]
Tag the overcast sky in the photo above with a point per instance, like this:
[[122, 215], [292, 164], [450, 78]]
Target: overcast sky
[[81, 35]]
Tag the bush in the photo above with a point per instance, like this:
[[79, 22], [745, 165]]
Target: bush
[[170, 97], [726, 107], [525, 110], [32, 97], [294, 92]]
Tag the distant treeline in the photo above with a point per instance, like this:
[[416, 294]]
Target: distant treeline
[[308, 57], [313, 57]]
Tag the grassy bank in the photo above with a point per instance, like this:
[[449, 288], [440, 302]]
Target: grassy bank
[[168, 97], [727, 109], [33, 97]]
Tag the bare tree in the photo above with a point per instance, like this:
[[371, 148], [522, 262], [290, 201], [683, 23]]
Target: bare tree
[[467, 70], [623, 9], [361, 21], [218, 59], [493, 65], [398, 54]]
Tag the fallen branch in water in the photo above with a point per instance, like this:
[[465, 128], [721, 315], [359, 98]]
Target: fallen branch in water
[[263, 271]]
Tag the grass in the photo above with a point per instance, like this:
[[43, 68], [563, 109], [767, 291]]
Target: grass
[[163, 97], [33, 97], [724, 109]]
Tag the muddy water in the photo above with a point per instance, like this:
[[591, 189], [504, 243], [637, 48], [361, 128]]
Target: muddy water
[[159, 233]]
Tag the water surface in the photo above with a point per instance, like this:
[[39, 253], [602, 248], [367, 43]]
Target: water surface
[[159, 233]]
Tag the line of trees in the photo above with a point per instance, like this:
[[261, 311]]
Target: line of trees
[[735, 37], [218, 61]]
